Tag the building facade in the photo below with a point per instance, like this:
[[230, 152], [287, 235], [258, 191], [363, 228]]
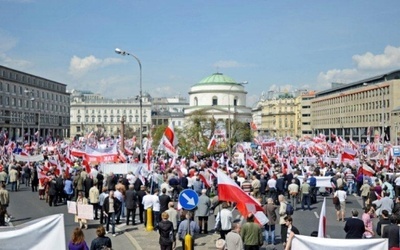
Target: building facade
[[168, 110], [93, 112], [32, 106], [363, 110], [221, 97], [304, 113]]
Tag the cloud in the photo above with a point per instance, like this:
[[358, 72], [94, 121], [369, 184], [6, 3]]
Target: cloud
[[80, 66], [339, 76], [366, 65], [389, 59], [14, 63], [7, 43], [224, 64]]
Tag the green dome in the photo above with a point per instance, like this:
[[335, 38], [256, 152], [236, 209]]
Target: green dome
[[216, 78]]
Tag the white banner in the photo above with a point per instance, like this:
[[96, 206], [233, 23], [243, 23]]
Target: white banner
[[322, 181], [71, 206], [85, 212], [315, 243], [28, 158], [43, 233], [122, 168]]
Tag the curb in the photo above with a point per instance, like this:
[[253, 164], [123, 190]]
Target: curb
[[130, 238]]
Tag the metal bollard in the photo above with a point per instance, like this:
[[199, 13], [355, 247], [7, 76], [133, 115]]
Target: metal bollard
[[149, 221], [188, 242]]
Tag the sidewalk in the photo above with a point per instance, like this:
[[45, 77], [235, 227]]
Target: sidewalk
[[148, 240]]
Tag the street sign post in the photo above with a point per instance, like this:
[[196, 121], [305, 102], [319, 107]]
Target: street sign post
[[188, 199]]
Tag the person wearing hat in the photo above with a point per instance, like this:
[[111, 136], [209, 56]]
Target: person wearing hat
[[220, 244]]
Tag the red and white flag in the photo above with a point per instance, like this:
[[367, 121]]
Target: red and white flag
[[322, 221], [228, 190], [367, 170], [212, 143], [205, 179], [169, 134], [251, 162], [169, 140], [348, 154]]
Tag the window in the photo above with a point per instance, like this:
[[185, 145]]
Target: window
[[196, 101], [214, 101], [235, 101]]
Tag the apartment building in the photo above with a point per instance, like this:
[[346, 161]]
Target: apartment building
[[363, 110], [32, 107]]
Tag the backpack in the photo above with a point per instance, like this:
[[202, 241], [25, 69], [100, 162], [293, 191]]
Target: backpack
[[289, 209]]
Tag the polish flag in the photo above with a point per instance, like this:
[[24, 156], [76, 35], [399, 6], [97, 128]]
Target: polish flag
[[367, 170], [169, 134], [251, 162], [86, 164], [121, 156], [212, 143], [205, 179], [322, 221], [148, 158], [264, 156], [348, 154], [228, 190]]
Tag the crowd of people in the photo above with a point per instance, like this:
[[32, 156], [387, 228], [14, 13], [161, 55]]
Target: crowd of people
[[276, 188]]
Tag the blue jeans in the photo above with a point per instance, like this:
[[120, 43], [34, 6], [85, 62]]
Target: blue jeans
[[111, 216], [306, 198], [156, 218], [14, 186], [269, 232], [350, 186]]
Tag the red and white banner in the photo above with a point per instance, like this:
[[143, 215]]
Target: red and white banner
[[322, 221]]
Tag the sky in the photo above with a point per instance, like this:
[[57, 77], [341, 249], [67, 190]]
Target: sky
[[273, 45]]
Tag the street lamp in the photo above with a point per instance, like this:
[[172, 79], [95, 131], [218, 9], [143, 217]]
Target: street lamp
[[229, 115], [124, 53], [382, 110], [27, 91]]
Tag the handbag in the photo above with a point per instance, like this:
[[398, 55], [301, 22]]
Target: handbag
[[336, 200]]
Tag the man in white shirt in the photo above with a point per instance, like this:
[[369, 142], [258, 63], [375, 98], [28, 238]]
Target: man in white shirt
[[226, 218], [156, 208], [131, 178], [147, 203]]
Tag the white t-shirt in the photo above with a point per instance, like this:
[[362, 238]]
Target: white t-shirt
[[341, 194], [397, 181], [271, 183], [156, 203]]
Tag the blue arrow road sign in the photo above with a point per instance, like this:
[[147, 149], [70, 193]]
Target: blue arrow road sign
[[188, 199]]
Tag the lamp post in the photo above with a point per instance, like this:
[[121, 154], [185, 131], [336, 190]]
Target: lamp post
[[27, 91], [121, 52], [229, 116], [382, 111]]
